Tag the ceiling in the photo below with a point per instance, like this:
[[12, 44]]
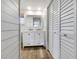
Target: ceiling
[[34, 4]]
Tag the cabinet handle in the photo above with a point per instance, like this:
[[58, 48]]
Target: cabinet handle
[[55, 32], [28, 34], [65, 35], [39, 33]]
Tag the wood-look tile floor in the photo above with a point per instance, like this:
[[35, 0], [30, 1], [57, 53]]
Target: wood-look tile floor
[[35, 53]]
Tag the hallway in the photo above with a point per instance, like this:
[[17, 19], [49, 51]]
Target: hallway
[[35, 53], [38, 29]]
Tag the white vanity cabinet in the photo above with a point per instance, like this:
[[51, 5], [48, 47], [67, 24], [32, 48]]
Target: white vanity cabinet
[[28, 38], [33, 38]]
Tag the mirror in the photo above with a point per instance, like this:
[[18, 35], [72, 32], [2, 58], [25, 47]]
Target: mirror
[[36, 22]]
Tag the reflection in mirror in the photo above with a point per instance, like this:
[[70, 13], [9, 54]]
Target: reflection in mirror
[[36, 21]]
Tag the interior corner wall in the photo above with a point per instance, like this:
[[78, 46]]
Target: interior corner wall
[[53, 32], [9, 29], [44, 25]]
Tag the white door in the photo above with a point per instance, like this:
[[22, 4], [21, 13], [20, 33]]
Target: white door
[[54, 28], [68, 29], [9, 30]]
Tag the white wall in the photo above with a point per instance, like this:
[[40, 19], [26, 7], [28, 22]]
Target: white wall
[[9, 30], [44, 20], [28, 19], [28, 23], [21, 24]]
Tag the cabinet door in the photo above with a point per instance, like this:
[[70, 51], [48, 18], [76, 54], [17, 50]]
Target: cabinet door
[[31, 38], [28, 38], [39, 38], [25, 39]]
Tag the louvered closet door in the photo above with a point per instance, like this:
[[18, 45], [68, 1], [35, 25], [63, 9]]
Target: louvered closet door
[[54, 27], [68, 29], [9, 30], [50, 22]]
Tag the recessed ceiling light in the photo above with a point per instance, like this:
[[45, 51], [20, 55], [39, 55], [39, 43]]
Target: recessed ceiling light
[[29, 8], [39, 8]]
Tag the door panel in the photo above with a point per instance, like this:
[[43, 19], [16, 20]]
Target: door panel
[[68, 29]]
